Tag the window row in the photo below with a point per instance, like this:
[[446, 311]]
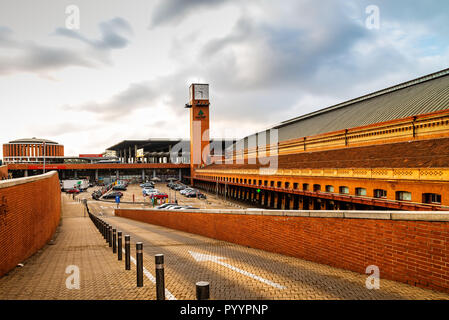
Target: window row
[[431, 198]]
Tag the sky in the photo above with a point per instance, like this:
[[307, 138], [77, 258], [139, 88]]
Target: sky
[[122, 70]]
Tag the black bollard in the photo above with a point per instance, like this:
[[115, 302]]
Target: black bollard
[[160, 282], [127, 252], [110, 236], [139, 264], [114, 240], [107, 233], [119, 245], [202, 290]]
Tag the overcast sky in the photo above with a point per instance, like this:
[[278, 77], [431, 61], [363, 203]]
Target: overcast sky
[[125, 73]]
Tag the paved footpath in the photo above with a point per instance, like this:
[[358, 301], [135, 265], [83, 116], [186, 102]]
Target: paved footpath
[[77, 242], [239, 273]]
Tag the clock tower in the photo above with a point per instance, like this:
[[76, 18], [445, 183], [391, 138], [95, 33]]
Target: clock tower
[[199, 126]]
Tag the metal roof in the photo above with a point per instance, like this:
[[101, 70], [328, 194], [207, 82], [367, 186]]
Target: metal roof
[[423, 95], [33, 140]]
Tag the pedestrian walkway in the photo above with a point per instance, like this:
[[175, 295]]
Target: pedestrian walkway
[[76, 243], [234, 272]]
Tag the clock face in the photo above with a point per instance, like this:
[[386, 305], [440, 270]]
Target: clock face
[[201, 91]]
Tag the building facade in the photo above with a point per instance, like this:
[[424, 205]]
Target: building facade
[[387, 149], [32, 151]]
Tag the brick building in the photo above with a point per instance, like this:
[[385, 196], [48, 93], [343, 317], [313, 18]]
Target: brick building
[[387, 149]]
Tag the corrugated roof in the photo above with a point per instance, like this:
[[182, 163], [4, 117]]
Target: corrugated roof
[[423, 95], [33, 140]]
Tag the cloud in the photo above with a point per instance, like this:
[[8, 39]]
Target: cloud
[[111, 35], [136, 96], [173, 11], [29, 56]]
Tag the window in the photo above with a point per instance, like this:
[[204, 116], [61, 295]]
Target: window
[[403, 196], [329, 188], [260, 182], [344, 190], [380, 193], [295, 186], [279, 184], [360, 191], [287, 185], [255, 181], [244, 181], [265, 183], [316, 187], [305, 186], [271, 183], [431, 198]]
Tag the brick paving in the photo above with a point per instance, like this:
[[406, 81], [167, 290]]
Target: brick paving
[[78, 242], [304, 280]]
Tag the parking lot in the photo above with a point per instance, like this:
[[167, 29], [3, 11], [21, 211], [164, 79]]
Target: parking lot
[[134, 194]]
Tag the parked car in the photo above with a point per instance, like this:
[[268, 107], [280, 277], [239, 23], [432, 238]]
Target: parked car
[[147, 185], [96, 194], [186, 190], [165, 205], [174, 207], [191, 194], [73, 190], [119, 187], [149, 191], [112, 195]]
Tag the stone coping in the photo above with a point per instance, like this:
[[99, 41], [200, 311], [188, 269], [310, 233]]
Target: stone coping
[[18, 181], [344, 214]]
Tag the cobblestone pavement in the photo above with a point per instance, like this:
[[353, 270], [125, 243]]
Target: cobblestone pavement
[[302, 279], [243, 273], [77, 242]]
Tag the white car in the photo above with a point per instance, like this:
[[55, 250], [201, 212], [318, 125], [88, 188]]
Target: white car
[[149, 191], [174, 208], [183, 192]]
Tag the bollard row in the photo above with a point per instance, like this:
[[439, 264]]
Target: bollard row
[[114, 240]]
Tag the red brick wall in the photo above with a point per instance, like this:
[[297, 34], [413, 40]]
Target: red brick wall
[[3, 172], [29, 215], [413, 252]]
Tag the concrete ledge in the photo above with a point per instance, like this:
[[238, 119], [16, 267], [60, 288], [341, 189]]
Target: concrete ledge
[[297, 213], [326, 214], [373, 215], [379, 215], [421, 216], [19, 181]]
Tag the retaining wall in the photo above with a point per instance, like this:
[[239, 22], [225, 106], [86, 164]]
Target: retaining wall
[[3, 172], [30, 209], [409, 247]]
